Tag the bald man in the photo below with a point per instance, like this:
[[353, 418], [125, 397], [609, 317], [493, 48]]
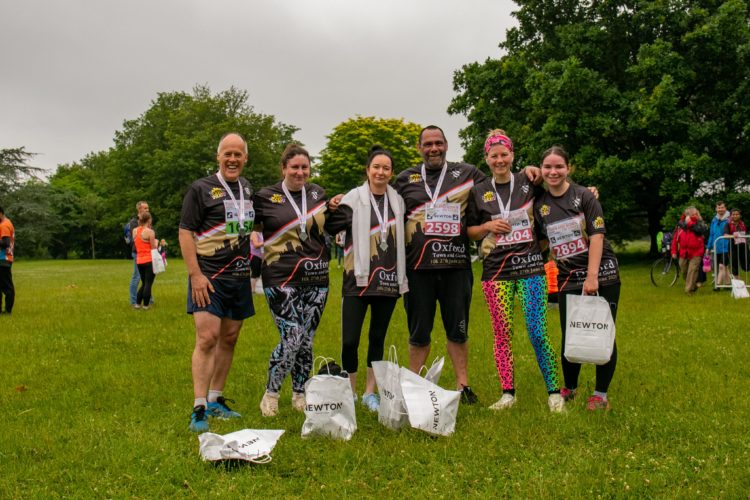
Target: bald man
[[215, 226]]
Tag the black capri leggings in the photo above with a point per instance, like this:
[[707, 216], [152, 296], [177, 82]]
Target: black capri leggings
[[147, 280], [605, 372], [353, 310]]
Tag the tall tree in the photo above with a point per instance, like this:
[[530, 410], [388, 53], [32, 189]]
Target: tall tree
[[156, 157], [342, 162], [650, 98], [15, 168]]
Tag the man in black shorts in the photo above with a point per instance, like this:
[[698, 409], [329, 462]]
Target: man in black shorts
[[437, 253], [215, 226]]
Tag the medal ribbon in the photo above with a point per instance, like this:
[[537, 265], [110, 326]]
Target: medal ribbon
[[239, 207], [382, 219], [434, 197], [504, 209], [301, 215]]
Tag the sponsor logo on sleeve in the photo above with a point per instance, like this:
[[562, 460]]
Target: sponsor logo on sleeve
[[277, 198], [415, 178], [544, 210], [217, 193], [488, 196], [599, 223]]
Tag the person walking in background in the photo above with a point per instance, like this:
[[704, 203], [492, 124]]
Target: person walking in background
[[144, 240], [572, 221], [140, 208], [215, 225], [291, 214], [256, 258], [721, 257], [736, 227], [688, 244], [500, 215], [372, 216], [7, 242]]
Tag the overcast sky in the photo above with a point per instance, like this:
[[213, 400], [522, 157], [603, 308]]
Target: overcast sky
[[72, 71]]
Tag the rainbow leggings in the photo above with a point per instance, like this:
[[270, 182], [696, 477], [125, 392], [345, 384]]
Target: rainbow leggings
[[532, 292]]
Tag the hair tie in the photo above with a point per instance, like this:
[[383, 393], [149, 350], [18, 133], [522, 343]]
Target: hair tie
[[503, 140]]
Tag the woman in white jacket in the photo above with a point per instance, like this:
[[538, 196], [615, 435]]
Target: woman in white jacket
[[374, 265]]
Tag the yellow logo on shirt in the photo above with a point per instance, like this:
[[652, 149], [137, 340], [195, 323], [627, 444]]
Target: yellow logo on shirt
[[217, 193], [599, 223], [277, 198], [488, 196], [544, 210], [415, 178]]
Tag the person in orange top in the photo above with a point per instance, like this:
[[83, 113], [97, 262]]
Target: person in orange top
[[144, 240], [7, 240]]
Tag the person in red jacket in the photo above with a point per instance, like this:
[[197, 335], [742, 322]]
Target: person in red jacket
[[688, 244]]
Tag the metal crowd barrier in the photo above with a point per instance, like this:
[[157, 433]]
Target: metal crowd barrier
[[732, 256]]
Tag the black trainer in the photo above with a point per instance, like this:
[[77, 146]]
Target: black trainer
[[468, 397]]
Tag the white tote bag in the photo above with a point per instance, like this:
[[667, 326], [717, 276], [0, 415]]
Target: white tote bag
[[252, 445], [589, 330], [157, 263], [431, 408], [329, 407], [739, 289], [392, 412]]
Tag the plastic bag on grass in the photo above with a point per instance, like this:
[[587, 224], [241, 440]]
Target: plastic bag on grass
[[251, 445], [430, 407], [329, 407], [392, 412]]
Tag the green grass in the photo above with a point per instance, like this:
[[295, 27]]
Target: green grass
[[96, 400]]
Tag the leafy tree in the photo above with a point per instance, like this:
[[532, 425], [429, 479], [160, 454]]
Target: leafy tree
[[15, 168], [156, 157], [649, 97], [342, 162]]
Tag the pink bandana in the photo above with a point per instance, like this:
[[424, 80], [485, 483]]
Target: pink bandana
[[498, 139]]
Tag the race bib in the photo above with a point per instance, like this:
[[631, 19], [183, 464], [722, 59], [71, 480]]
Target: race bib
[[232, 218], [566, 238], [443, 220], [520, 228]]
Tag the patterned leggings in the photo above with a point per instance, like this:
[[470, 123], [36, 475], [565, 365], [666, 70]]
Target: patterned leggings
[[532, 292], [297, 311]]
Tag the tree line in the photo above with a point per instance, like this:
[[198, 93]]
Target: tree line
[[650, 98]]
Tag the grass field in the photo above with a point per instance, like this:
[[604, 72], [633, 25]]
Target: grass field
[[97, 397]]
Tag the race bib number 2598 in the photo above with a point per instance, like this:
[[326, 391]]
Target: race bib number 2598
[[443, 220]]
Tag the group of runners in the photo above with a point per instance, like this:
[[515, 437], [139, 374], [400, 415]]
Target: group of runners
[[408, 237]]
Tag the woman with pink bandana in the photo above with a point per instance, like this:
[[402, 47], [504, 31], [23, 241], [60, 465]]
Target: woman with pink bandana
[[500, 215]]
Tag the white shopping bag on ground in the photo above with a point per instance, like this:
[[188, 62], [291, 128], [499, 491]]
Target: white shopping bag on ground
[[739, 289], [430, 407], [252, 445], [589, 330], [392, 412], [329, 407]]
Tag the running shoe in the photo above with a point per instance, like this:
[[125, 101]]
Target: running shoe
[[269, 405], [219, 409], [199, 419], [298, 401], [556, 403], [505, 402], [371, 401], [568, 394], [597, 403], [468, 397]]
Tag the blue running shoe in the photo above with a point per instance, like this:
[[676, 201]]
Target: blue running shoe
[[199, 419], [371, 401], [219, 409]]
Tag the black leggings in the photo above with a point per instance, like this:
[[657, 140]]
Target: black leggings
[[353, 310], [605, 372], [147, 280]]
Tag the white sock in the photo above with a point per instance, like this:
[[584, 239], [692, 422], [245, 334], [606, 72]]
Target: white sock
[[213, 396], [199, 402], [602, 395]]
